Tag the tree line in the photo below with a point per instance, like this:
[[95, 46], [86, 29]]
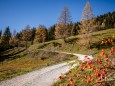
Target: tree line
[[63, 29]]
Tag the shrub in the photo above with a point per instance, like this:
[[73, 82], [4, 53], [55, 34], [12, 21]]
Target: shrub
[[97, 72]]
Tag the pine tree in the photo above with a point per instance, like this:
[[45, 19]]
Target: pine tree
[[51, 35], [0, 36], [33, 34], [5, 39]]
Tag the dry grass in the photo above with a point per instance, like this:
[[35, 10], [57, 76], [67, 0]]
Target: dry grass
[[24, 63], [19, 66]]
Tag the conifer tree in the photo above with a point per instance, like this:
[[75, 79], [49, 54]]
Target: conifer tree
[[61, 29], [33, 34], [41, 34], [6, 37], [86, 26], [0, 36], [26, 34]]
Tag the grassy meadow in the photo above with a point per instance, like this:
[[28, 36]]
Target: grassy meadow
[[21, 60]]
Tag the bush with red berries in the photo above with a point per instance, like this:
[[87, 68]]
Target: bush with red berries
[[98, 72]]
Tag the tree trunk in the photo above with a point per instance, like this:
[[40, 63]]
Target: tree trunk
[[64, 39], [32, 42], [26, 45]]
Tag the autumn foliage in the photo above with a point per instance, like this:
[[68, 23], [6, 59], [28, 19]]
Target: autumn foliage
[[40, 34]]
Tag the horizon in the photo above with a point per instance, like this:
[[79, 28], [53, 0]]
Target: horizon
[[18, 13]]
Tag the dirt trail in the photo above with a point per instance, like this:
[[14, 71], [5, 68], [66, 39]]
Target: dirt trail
[[43, 77]]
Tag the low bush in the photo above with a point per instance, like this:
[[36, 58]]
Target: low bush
[[98, 72]]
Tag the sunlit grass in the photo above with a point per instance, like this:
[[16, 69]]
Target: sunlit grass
[[23, 64], [19, 66], [14, 67]]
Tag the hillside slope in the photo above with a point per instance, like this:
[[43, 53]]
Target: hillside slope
[[19, 61]]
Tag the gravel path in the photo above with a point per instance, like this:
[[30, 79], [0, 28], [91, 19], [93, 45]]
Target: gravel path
[[45, 76], [42, 77]]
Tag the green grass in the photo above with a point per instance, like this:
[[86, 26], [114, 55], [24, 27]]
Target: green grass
[[73, 46], [31, 59], [11, 68], [97, 36], [78, 80], [24, 63]]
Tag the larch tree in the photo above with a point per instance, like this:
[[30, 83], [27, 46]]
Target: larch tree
[[65, 16], [18, 38], [41, 34], [61, 29], [26, 34], [13, 40], [87, 26]]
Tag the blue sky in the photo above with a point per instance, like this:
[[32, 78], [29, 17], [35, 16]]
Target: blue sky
[[19, 13]]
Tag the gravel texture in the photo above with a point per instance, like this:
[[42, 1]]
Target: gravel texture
[[43, 77]]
